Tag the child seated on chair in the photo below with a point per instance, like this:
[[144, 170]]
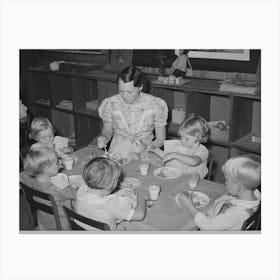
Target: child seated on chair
[[42, 131], [42, 165], [188, 154], [98, 201], [243, 176]]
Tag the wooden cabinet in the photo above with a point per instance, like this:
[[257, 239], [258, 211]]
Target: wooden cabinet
[[200, 96]]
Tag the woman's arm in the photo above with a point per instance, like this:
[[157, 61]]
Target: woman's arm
[[185, 159], [140, 210], [160, 133], [107, 131]]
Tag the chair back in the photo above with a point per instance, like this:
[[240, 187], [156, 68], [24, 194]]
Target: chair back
[[30, 193], [72, 216], [253, 222], [210, 165]]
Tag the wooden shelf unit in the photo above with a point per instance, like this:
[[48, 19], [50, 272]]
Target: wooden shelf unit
[[201, 96]]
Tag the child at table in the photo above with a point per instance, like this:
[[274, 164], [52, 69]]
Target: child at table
[[97, 199], [188, 154], [243, 176], [42, 165], [42, 132]]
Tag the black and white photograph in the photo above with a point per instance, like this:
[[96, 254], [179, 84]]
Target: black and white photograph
[[140, 140]]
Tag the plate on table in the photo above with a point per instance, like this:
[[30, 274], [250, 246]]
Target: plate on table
[[130, 182], [167, 173], [199, 199]]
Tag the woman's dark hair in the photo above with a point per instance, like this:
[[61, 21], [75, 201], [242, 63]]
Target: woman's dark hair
[[132, 73]]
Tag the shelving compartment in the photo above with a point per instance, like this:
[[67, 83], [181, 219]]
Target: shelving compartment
[[39, 89], [86, 129], [61, 92], [219, 112], [85, 96], [246, 118], [106, 89], [64, 124]]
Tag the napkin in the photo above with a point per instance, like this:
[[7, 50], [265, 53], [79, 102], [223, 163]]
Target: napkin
[[60, 180]]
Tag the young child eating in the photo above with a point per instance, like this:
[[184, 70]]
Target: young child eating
[[42, 132], [243, 176], [42, 164], [188, 154], [97, 199]]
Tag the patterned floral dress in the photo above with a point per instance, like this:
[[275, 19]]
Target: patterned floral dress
[[133, 124]]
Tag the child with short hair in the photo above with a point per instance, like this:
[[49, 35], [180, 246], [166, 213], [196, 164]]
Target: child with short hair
[[42, 131], [98, 201], [42, 164], [243, 176], [188, 154]]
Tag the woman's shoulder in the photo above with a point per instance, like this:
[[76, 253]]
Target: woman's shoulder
[[153, 100]]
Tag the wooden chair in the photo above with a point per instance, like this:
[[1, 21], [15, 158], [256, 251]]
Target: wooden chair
[[253, 222], [210, 165], [34, 205], [72, 216]]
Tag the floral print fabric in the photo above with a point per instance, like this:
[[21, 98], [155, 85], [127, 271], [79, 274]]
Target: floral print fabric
[[133, 124]]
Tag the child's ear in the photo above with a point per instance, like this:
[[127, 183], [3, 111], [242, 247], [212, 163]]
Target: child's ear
[[198, 137]]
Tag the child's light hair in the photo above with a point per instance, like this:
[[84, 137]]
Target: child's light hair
[[39, 124], [101, 173], [195, 126], [37, 159], [244, 170]]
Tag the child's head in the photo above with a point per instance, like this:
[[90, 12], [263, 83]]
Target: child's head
[[102, 173], [42, 160], [193, 130], [242, 172], [42, 131]]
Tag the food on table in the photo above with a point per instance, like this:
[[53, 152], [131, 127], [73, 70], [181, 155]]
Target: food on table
[[130, 182], [166, 173], [198, 200]]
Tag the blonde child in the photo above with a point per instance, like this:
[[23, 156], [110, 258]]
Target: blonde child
[[42, 132], [97, 201], [188, 154], [243, 176], [42, 164]]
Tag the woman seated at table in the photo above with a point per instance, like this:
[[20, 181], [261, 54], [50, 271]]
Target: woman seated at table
[[131, 116]]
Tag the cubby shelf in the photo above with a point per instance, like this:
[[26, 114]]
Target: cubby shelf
[[245, 143], [240, 111]]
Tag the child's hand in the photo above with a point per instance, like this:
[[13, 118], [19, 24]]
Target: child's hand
[[126, 192], [185, 200], [167, 157]]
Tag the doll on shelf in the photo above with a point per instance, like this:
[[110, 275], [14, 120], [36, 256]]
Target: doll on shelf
[[179, 66]]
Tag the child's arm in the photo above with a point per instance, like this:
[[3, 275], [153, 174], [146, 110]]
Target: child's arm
[[185, 159], [140, 210], [219, 222]]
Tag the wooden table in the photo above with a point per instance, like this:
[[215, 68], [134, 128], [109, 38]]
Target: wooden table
[[165, 214]]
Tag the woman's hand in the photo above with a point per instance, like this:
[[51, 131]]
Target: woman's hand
[[101, 142]]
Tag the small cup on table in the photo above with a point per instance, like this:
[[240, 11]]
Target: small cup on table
[[154, 191], [193, 180], [68, 163], [144, 167]]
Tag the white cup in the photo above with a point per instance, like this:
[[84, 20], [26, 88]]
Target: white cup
[[144, 167], [154, 192], [68, 163], [193, 180]]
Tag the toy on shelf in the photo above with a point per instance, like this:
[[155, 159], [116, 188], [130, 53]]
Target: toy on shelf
[[181, 66]]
